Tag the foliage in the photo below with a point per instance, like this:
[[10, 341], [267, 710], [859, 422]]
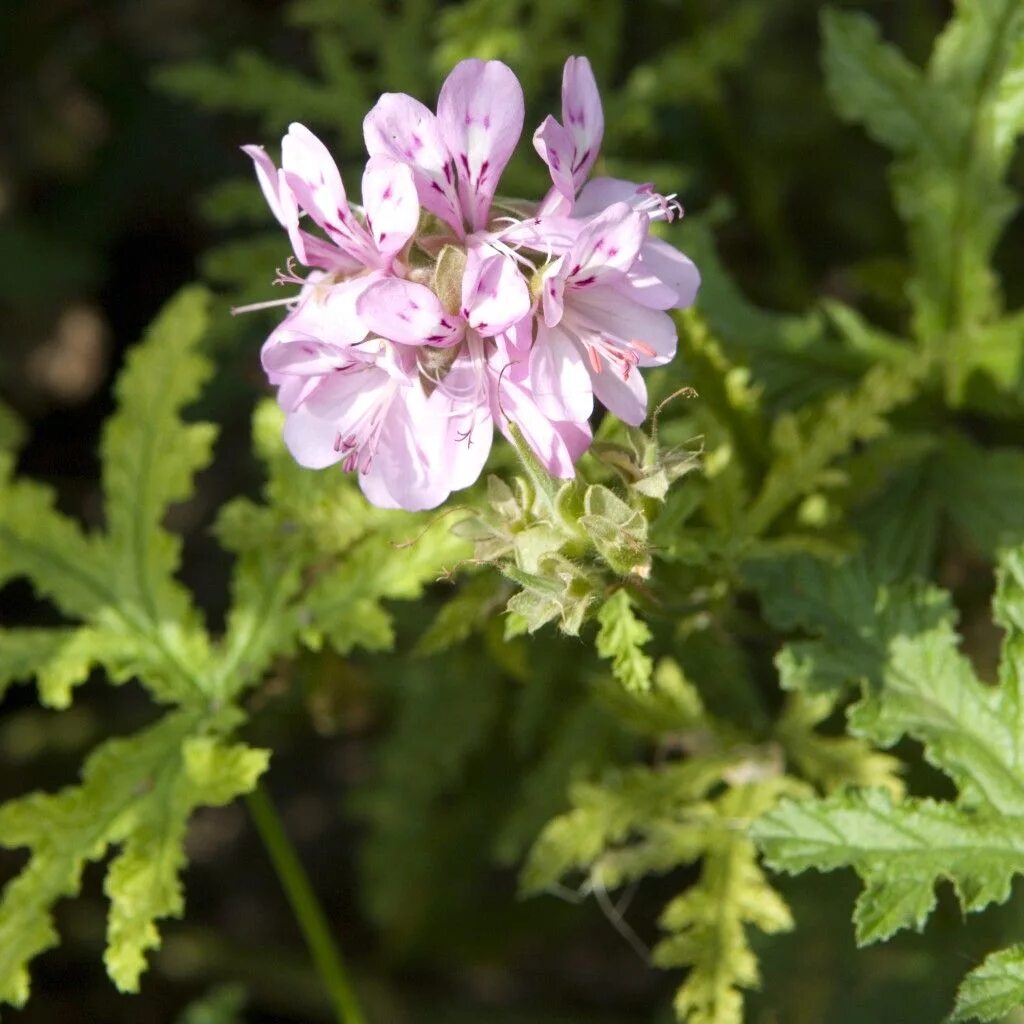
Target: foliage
[[136, 621], [916, 683], [725, 638]]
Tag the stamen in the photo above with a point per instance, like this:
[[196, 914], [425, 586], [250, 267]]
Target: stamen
[[253, 306]]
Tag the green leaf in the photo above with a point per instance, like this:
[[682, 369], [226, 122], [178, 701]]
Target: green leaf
[[805, 446], [708, 922], [143, 881], [150, 456], [985, 492], [23, 651], [993, 989], [12, 430], [972, 732], [852, 620], [923, 687], [872, 82], [123, 785], [954, 128], [899, 850], [37, 541], [621, 638]]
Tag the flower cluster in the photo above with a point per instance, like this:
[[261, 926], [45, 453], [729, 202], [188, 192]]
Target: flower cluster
[[437, 310]]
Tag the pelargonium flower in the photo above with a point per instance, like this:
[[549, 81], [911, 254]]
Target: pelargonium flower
[[429, 316]]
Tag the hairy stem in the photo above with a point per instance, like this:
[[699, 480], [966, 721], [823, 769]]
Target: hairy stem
[[307, 910]]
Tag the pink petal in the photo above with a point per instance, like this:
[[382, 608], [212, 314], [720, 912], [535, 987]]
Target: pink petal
[[672, 268], [313, 176], [405, 130], [468, 427], [559, 378], [391, 203], [582, 116], [408, 313], [512, 350], [610, 314], [291, 391], [553, 292], [315, 252], [494, 294], [310, 440], [514, 402], [406, 467], [600, 193], [608, 246], [553, 234], [275, 191], [327, 313], [303, 358], [480, 115], [554, 145], [347, 399], [626, 398], [576, 438]]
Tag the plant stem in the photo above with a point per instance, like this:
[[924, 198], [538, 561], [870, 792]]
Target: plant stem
[[308, 912]]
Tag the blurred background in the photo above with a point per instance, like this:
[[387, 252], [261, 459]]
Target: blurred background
[[120, 180]]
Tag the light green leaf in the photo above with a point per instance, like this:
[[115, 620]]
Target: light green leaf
[[66, 830], [143, 882], [150, 456], [871, 82], [832, 762], [972, 732], [12, 430], [899, 850], [621, 638], [23, 651], [37, 541], [707, 923], [993, 989], [954, 129]]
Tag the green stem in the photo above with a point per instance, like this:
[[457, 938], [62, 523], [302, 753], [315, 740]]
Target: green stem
[[308, 912]]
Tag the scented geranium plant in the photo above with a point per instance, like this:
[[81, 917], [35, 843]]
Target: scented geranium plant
[[739, 594]]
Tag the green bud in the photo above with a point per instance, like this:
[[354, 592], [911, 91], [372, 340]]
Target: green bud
[[448, 272]]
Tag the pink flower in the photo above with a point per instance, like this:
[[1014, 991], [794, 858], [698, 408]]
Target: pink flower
[[309, 180], [412, 338], [479, 386], [456, 157], [594, 328]]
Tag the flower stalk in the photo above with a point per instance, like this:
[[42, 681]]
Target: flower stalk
[[308, 913]]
